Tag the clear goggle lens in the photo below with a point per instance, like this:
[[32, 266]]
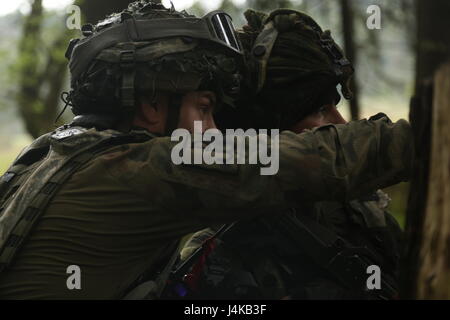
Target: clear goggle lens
[[224, 30]]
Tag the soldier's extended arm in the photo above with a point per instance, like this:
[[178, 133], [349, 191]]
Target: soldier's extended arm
[[334, 162], [347, 161]]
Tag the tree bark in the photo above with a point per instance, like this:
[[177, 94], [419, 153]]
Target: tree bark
[[350, 52], [426, 224], [434, 269], [420, 118]]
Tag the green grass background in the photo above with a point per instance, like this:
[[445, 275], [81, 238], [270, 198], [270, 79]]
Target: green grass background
[[6, 158]]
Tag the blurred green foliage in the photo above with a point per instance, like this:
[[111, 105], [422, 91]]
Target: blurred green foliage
[[399, 195], [6, 158]]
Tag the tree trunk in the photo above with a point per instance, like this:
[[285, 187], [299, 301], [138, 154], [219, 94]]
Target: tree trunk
[[419, 278], [40, 80], [30, 108], [434, 270], [433, 38], [350, 52], [40, 88], [420, 118]]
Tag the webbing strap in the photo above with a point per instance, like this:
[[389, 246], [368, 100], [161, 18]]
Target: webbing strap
[[148, 30], [33, 212], [41, 200]]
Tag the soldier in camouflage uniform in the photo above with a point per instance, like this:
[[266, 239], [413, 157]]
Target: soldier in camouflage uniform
[[102, 193], [295, 68]]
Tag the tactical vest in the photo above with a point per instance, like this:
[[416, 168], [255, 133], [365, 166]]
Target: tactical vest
[[39, 172], [308, 254]]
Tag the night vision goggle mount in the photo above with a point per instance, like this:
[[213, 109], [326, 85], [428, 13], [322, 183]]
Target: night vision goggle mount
[[215, 27]]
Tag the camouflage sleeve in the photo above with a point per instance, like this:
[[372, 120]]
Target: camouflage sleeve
[[333, 162], [355, 159]]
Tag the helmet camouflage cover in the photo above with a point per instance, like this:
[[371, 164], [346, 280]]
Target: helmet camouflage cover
[[294, 66], [149, 48]]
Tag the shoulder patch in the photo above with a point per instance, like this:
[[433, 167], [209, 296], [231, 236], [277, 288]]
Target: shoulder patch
[[60, 135]]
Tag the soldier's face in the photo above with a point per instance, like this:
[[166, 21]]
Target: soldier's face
[[326, 115], [197, 106]]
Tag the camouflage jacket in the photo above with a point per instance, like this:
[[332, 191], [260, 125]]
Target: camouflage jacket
[[117, 214]]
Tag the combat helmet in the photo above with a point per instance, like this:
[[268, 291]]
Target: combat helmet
[[294, 66], [151, 48]]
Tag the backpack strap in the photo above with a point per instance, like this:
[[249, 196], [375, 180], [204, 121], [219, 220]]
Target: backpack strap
[[14, 239], [31, 155]]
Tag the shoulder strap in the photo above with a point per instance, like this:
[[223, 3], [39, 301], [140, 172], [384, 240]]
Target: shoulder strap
[[32, 154], [32, 208]]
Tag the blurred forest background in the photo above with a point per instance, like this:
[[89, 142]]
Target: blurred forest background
[[388, 61]]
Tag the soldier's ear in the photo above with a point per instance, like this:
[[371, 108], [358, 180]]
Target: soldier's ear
[[151, 116], [145, 100]]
